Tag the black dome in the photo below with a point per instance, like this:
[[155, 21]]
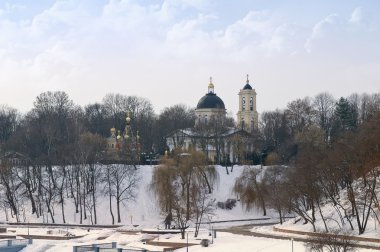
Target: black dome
[[210, 100], [247, 87]]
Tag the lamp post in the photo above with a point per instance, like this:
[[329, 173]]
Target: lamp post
[[212, 234], [292, 244], [187, 241], [158, 232]]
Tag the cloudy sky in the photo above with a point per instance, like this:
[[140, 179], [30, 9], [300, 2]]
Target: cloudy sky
[[166, 50]]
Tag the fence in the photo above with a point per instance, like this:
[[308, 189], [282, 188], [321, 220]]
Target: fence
[[136, 250], [102, 247], [107, 247]]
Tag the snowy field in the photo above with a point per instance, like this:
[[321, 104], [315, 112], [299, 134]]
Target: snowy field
[[144, 211], [223, 243], [143, 214]]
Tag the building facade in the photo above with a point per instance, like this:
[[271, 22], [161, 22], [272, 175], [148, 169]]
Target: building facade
[[210, 107], [247, 116], [220, 143], [123, 146]]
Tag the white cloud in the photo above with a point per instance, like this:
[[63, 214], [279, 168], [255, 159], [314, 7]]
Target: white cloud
[[14, 7], [356, 16], [124, 44], [320, 29], [252, 27], [260, 32], [170, 8], [61, 18]]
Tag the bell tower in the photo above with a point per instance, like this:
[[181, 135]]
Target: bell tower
[[247, 116]]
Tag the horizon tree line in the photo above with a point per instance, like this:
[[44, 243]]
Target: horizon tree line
[[320, 151]]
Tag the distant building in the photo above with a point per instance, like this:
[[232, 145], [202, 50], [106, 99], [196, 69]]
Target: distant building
[[209, 107], [123, 146], [14, 159], [220, 143], [247, 116]]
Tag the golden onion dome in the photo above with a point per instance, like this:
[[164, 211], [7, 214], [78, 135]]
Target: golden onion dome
[[210, 86], [128, 119], [113, 130]]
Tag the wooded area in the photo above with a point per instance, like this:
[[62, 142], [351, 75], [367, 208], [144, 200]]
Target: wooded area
[[316, 149], [320, 156]]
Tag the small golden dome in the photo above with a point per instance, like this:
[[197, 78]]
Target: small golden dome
[[128, 119], [210, 85], [113, 130]]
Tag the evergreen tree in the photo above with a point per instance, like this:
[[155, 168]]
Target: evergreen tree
[[345, 117]]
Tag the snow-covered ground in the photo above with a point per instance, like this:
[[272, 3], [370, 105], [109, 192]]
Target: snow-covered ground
[[144, 214], [144, 211], [222, 243]]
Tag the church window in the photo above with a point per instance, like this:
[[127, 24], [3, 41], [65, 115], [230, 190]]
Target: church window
[[205, 118], [243, 103], [251, 104]]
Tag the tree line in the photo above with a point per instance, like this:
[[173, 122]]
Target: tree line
[[63, 144], [327, 146], [321, 151], [49, 133]]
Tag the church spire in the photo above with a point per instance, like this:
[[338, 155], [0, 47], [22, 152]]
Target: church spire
[[210, 86], [247, 86]]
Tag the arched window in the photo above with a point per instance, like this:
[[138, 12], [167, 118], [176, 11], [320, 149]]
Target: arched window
[[243, 103], [251, 103]]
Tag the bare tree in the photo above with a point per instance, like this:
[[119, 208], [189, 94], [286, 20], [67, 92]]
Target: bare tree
[[324, 104], [10, 187], [173, 118], [116, 107], [335, 241], [9, 118], [276, 195], [123, 182], [90, 148], [204, 205], [108, 190], [180, 185], [251, 190], [300, 115]]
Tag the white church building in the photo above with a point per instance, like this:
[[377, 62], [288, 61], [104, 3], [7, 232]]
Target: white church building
[[210, 134]]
